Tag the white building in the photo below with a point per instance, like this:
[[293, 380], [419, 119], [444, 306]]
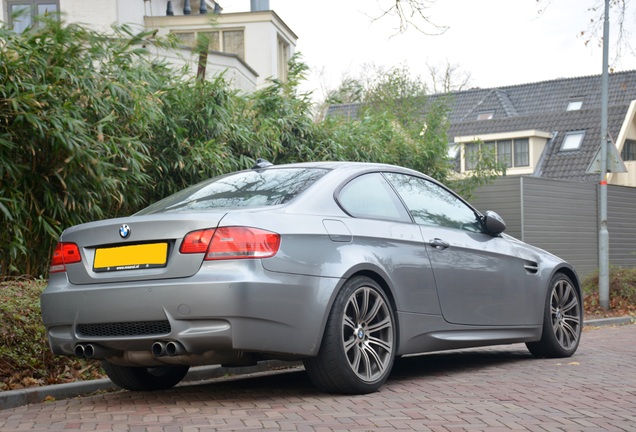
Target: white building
[[250, 47]]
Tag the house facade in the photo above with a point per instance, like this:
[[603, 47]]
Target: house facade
[[249, 47], [548, 129]]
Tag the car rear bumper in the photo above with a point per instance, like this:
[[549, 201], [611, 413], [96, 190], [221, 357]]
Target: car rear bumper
[[227, 307]]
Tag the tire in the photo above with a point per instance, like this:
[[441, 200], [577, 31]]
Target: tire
[[562, 320], [359, 343], [145, 378]]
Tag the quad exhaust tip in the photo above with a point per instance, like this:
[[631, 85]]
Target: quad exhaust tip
[[158, 349]]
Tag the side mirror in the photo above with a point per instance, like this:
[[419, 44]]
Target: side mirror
[[494, 224]]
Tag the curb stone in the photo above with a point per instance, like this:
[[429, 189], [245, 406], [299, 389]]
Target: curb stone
[[33, 395], [599, 322], [16, 398]]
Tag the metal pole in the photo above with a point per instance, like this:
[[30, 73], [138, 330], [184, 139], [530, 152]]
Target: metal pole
[[603, 235]]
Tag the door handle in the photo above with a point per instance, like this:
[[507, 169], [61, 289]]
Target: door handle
[[439, 244]]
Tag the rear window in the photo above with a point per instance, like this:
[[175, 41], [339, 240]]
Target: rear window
[[257, 188]]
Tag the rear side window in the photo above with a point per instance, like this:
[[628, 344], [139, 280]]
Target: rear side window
[[256, 188], [370, 196]]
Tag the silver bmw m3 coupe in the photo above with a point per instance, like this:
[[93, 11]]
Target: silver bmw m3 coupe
[[341, 265]]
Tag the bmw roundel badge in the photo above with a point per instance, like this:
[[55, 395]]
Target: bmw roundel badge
[[124, 231]]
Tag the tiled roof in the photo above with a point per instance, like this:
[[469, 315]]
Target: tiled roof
[[541, 106]]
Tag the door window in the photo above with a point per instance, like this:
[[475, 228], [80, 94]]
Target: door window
[[431, 204]]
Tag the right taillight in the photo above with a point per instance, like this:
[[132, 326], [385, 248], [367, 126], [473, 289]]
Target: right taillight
[[64, 253], [232, 243]]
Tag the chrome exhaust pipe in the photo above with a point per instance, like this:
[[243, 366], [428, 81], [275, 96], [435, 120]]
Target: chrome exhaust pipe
[[80, 351], [174, 349], [159, 349]]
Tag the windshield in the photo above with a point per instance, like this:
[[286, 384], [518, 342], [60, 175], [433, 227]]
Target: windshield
[[242, 189]]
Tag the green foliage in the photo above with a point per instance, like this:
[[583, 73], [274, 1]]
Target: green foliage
[[24, 349], [191, 138], [73, 114], [622, 289]]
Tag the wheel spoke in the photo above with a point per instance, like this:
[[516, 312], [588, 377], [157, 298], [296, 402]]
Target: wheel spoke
[[374, 310], [553, 309], [572, 304], [381, 325], [382, 344], [374, 358], [350, 343], [357, 358], [569, 333], [574, 319], [366, 363], [364, 307], [348, 322], [356, 308]]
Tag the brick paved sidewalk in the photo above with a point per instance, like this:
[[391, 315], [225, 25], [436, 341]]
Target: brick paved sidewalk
[[494, 389]]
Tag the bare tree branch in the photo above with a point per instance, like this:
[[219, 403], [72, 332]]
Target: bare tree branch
[[447, 78], [413, 13], [593, 32]]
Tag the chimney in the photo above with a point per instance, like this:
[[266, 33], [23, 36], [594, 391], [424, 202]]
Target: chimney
[[259, 5]]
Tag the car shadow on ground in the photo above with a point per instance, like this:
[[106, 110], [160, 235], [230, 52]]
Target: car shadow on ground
[[293, 382], [449, 362]]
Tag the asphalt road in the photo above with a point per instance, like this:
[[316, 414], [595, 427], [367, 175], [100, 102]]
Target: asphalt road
[[493, 389]]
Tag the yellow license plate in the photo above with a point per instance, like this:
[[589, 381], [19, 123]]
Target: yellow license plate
[[131, 257]]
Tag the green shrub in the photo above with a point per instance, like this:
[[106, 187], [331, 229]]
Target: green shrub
[[622, 289], [26, 357]]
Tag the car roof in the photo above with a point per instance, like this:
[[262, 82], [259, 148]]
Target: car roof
[[348, 166]]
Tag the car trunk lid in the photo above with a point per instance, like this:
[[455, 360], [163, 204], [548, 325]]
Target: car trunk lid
[[136, 248]]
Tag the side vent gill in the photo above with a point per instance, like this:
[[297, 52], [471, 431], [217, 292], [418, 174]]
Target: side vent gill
[[531, 266]]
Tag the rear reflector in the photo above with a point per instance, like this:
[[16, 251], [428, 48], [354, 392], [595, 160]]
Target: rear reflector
[[232, 243], [64, 253]]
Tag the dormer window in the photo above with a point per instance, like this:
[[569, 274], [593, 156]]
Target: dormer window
[[575, 105], [572, 140], [485, 115]]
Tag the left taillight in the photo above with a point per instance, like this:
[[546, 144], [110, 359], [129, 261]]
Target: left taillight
[[64, 253], [232, 243]]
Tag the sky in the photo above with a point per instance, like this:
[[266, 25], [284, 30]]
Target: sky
[[496, 42]]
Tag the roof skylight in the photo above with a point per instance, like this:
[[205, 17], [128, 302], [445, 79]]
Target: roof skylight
[[572, 140]]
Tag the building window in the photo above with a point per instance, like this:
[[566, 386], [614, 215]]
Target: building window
[[283, 59], [227, 41], [574, 105], [485, 115], [21, 12], [233, 43], [629, 150], [522, 152], [572, 140], [504, 152], [471, 155], [512, 153]]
